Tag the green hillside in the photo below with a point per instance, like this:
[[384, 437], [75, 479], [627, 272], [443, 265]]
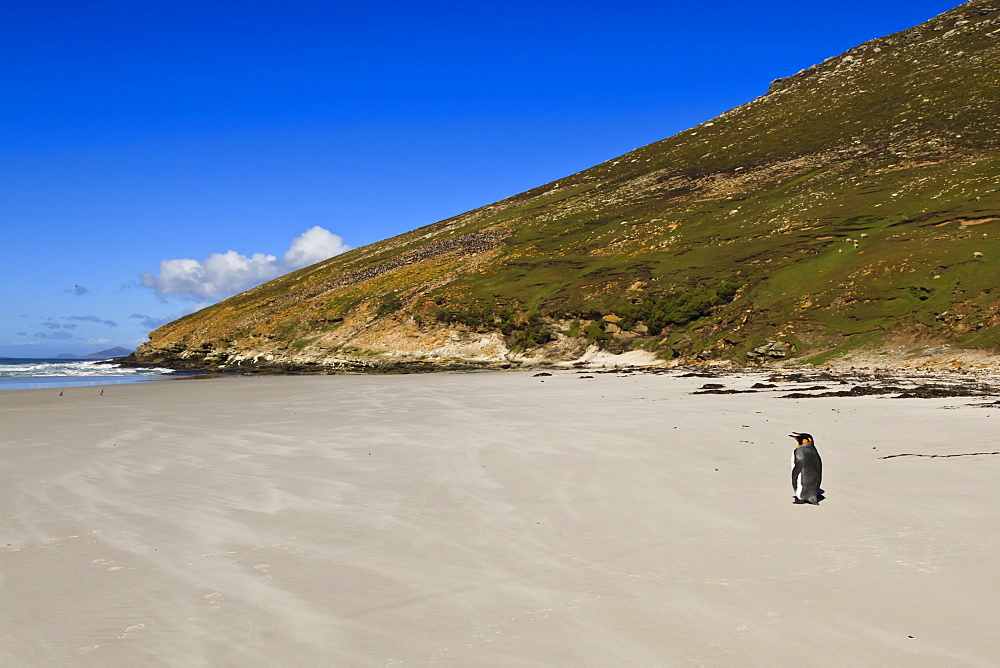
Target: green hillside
[[856, 205]]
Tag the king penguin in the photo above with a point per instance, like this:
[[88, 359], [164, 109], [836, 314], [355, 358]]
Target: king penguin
[[807, 470]]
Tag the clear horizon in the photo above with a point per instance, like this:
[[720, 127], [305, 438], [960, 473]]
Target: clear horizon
[[159, 158]]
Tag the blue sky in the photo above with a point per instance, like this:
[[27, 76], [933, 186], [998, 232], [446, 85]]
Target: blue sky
[[158, 156]]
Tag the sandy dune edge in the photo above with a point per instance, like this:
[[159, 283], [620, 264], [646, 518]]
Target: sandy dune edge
[[483, 519]]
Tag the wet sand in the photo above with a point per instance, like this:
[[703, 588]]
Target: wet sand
[[490, 519]]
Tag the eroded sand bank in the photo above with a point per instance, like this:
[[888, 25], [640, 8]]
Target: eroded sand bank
[[487, 519]]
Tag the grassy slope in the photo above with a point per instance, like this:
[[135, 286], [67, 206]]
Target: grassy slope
[[896, 139]]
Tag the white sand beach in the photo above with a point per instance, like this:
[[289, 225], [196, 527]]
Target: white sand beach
[[491, 519]]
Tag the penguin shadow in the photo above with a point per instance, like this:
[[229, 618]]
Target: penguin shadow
[[822, 495]]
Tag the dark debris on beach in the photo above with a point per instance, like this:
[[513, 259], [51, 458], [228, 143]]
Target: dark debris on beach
[[924, 391], [817, 384]]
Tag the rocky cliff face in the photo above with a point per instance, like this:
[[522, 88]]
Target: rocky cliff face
[[854, 206]]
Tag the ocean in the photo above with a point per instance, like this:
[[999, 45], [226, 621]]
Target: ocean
[[30, 374]]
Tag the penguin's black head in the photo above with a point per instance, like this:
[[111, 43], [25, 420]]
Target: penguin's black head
[[803, 439]]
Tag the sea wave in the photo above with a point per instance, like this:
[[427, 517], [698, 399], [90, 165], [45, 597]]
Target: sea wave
[[70, 368]]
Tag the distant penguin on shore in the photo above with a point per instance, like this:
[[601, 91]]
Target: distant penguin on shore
[[807, 470]]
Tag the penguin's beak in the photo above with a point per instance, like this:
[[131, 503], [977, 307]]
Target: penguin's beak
[[794, 435]]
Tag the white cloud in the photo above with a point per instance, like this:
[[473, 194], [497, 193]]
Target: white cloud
[[314, 245], [224, 274], [218, 276]]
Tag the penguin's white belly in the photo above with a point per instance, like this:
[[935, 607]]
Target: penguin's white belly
[[797, 476]]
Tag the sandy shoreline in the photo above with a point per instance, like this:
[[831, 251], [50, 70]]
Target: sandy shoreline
[[487, 519]]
